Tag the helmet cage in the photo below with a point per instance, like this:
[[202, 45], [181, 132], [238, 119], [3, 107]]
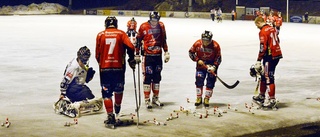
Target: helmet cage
[[84, 54], [154, 15], [206, 35]]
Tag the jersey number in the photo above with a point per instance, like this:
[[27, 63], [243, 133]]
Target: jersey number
[[274, 39], [112, 43]]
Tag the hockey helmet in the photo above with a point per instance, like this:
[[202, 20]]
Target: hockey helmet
[[83, 54], [253, 72], [154, 15], [206, 35], [111, 21], [132, 19]]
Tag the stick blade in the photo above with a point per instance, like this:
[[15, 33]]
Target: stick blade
[[234, 85]]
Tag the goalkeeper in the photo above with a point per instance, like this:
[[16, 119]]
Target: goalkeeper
[[76, 74]]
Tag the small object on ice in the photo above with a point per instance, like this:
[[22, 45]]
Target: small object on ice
[[225, 111], [6, 123]]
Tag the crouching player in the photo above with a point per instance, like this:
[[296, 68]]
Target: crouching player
[[76, 97]]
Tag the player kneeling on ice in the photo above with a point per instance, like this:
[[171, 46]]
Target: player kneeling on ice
[[270, 54], [76, 97], [207, 55]]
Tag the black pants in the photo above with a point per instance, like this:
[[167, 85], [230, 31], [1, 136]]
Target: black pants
[[77, 92]]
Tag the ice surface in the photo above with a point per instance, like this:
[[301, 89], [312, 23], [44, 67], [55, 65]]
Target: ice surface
[[35, 50]]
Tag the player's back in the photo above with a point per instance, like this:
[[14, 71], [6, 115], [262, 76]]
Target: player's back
[[111, 48]]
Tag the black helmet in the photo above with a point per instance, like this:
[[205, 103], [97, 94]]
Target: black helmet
[[253, 72], [111, 21], [206, 35], [132, 19], [84, 54], [154, 15]]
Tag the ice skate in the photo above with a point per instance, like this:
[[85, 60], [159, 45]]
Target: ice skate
[[148, 104], [111, 121], [259, 100], [90, 106], [65, 107], [272, 104], [206, 102], [198, 101], [155, 100]]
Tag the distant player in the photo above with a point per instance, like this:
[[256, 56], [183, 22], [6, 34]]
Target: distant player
[[153, 35], [270, 54], [278, 22], [213, 13], [131, 30], [219, 15], [207, 55], [111, 47], [271, 19]]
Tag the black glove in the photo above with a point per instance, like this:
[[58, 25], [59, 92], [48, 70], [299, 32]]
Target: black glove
[[90, 74], [132, 63]]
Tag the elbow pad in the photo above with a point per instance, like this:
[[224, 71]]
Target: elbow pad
[[64, 86], [193, 56]]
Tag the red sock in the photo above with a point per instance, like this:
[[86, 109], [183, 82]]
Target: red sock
[[118, 98], [108, 104], [263, 87], [272, 91]]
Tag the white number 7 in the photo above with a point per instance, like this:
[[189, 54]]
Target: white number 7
[[112, 43]]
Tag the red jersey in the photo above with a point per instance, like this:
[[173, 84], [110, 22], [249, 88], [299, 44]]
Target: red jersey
[[154, 38], [210, 54], [278, 21], [270, 19], [264, 17], [111, 45], [132, 25], [269, 43]]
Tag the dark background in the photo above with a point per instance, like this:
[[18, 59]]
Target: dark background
[[296, 7], [76, 4]]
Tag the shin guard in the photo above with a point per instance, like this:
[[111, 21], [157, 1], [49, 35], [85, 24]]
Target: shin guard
[[263, 87], [155, 89], [108, 104], [208, 93], [146, 89], [271, 90], [199, 91]]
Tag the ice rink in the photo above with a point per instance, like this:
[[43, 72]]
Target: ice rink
[[35, 50]]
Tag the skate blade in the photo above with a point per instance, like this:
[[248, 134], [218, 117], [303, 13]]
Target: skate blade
[[111, 126]]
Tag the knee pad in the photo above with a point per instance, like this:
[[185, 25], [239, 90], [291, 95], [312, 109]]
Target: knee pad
[[199, 79], [106, 91], [156, 86], [211, 82], [209, 93], [119, 87], [146, 87], [158, 68], [148, 70]]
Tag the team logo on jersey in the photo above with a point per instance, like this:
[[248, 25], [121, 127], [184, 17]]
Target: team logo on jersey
[[207, 50], [154, 48], [70, 75]]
